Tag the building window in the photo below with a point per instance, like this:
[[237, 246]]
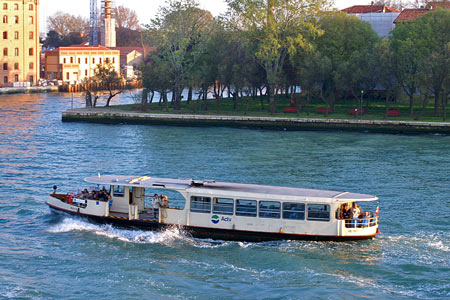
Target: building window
[[16, 35], [5, 35], [5, 6], [30, 51], [5, 51], [30, 7], [107, 60], [269, 209], [16, 66], [200, 204], [86, 60], [5, 79], [16, 19], [71, 60], [79, 60], [16, 6], [31, 78], [246, 208], [31, 66], [67, 76], [294, 211], [16, 78], [5, 19], [31, 35], [100, 60], [30, 20], [223, 206], [93, 60], [5, 66], [85, 72], [114, 60], [16, 51], [64, 60], [318, 212]]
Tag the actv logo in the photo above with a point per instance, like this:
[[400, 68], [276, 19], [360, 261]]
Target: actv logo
[[215, 219]]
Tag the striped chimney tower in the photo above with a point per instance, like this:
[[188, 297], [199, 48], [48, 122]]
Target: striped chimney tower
[[108, 36]]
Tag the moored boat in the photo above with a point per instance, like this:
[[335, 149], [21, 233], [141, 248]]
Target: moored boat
[[223, 210]]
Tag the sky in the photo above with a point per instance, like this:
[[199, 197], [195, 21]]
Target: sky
[[146, 9]]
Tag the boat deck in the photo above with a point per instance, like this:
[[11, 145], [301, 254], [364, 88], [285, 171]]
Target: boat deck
[[149, 215]]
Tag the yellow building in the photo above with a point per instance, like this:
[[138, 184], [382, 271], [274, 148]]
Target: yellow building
[[19, 42], [75, 63]]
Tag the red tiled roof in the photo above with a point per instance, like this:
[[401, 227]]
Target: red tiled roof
[[79, 47], [410, 14], [365, 9], [434, 5]]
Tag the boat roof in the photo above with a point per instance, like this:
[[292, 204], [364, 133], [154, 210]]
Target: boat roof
[[226, 188]]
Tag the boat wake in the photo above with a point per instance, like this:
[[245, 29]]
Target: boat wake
[[126, 235], [172, 237]]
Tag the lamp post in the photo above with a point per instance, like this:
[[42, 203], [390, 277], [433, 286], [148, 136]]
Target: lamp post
[[360, 102]]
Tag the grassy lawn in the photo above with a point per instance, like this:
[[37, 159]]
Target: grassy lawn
[[341, 110]]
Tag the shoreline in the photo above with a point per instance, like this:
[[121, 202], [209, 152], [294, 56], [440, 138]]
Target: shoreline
[[28, 90], [112, 116]]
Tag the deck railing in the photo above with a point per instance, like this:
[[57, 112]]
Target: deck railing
[[361, 222]]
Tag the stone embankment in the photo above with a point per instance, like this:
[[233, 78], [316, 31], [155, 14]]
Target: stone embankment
[[111, 116], [28, 90]]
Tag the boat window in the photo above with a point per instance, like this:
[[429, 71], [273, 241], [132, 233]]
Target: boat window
[[246, 208], [294, 211], [119, 191], [318, 212], [269, 209], [223, 206], [200, 204]]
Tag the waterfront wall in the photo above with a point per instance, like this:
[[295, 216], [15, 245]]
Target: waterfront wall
[[25, 90], [109, 116]]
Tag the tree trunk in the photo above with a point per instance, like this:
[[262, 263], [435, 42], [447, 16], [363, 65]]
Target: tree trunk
[[272, 104], [246, 105], [166, 101], [411, 105], [235, 101], [189, 95], [144, 98], [387, 104], [151, 98], [424, 106], [436, 101]]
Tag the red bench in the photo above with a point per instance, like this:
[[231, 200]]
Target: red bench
[[354, 111], [291, 109], [393, 112], [321, 110]]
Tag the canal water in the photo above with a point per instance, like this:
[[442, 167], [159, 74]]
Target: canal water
[[45, 256]]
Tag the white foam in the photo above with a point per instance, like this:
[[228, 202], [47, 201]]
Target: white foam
[[132, 236]]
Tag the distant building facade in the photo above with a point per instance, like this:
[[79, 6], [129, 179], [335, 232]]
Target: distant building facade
[[19, 42], [75, 63], [381, 17], [131, 58]]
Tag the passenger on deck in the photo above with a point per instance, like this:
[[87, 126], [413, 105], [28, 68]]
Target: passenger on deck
[[84, 194], [156, 201], [165, 201], [356, 212], [365, 222], [346, 214]]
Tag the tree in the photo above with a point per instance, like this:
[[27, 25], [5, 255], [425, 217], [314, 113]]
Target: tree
[[277, 28], [411, 53], [64, 23], [128, 37], [126, 18], [340, 61], [52, 40], [107, 78], [180, 34]]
